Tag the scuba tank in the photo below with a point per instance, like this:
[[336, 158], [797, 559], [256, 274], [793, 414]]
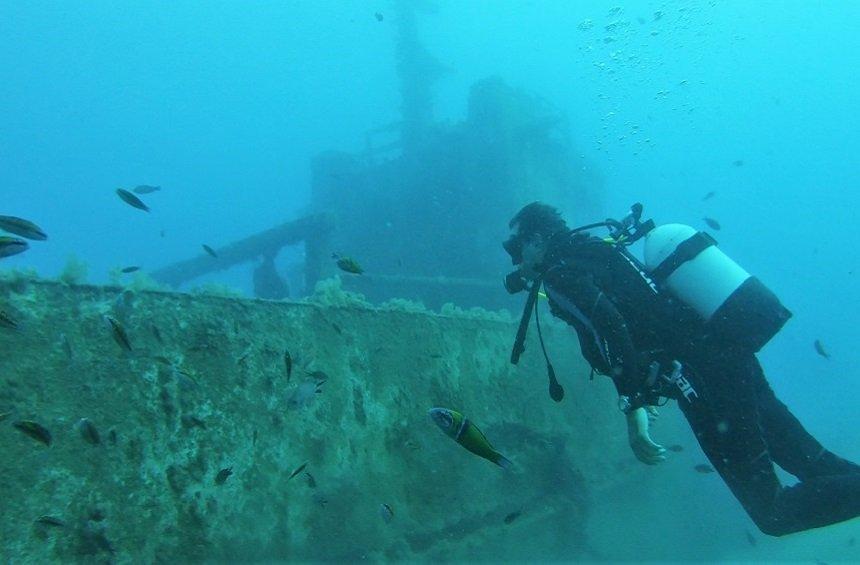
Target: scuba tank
[[735, 305]]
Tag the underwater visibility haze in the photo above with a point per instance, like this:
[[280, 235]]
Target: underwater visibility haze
[[251, 271]]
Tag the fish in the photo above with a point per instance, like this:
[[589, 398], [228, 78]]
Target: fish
[[320, 499], [738, 163], [222, 475], [751, 539], [712, 223], [304, 394], [819, 348], [467, 434], [288, 363], [709, 195], [6, 321], [130, 269], [118, 333], [67, 346], [509, 519], [386, 512], [22, 227], [35, 430], [145, 189], [131, 199], [193, 422], [347, 264], [157, 334], [311, 481], [676, 448], [703, 468], [112, 437], [379, 17], [50, 521], [298, 470], [254, 437], [12, 246], [4, 415], [210, 251], [318, 375], [88, 431]]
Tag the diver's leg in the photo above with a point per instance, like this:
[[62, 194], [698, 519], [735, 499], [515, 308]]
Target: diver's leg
[[791, 446], [725, 419]]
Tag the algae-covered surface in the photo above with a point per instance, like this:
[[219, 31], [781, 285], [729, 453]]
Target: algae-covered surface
[[198, 446], [205, 388]]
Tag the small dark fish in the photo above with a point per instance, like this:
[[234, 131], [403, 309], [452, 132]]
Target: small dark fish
[[288, 363], [12, 246], [131, 199], [157, 334], [709, 195], [738, 163], [712, 223], [50, 521], [112, 438], [163, 360], [347, 264], [509, 519], [22, 227], [379, 17], [7, 322], [299, 470], [145, 189], [222, 475], [254, 438], [751, 540], [210, 251], [386, 512], [130, 269], [89, 432], [67, 346], [311, 481], [320, 499], [676, 448], [819, 348], [193, 422], [703, 468], [319, 376], [4, 415], [118, 333], [34, 430]]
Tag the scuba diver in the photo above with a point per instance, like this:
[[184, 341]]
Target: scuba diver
[[685, 324]]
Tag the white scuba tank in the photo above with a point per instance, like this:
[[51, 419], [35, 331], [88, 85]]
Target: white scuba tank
[[734, 304]]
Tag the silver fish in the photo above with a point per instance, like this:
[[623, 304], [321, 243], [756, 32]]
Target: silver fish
[[22, 227], [12, 246], [145, 189], [304, 394]]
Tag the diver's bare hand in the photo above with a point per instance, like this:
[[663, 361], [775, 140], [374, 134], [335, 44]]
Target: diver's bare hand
[[640, 441]]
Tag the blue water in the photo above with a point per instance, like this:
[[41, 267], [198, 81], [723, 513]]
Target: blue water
[[225, 103]]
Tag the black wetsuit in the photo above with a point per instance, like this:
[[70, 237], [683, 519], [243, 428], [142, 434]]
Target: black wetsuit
[[624, 323]]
